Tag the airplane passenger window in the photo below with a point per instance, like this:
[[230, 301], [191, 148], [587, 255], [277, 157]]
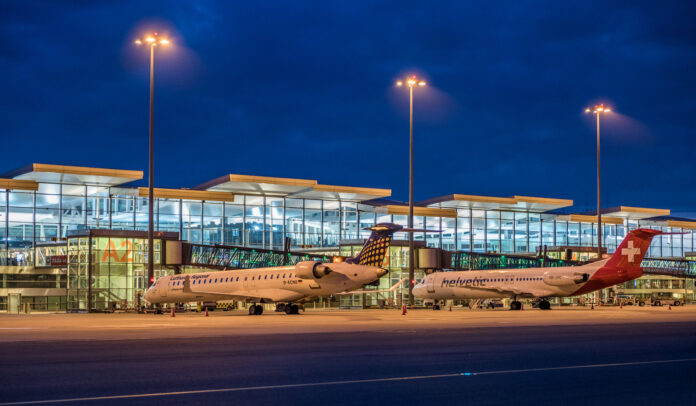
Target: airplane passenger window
[[237, 279], [265, 277], [245, 278], [271, 276], [253, 277]]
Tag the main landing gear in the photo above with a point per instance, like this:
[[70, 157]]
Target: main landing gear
[[288, 308], [515, 305], [255, 310], [544, 304]]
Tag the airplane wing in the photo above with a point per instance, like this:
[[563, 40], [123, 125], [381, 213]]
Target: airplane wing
[[262, 295], [355, 292], [508, 291]]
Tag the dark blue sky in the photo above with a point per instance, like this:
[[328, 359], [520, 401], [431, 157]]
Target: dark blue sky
[[305, 89]]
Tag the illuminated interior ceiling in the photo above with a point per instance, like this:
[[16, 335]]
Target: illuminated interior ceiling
[[74, 174]]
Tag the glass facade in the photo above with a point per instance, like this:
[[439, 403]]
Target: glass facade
[[30, 221], [114, 277]]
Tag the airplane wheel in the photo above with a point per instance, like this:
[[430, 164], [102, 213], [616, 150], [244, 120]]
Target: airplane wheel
[[259, 310], [281, 308], [252, 310], [436, 307], [544, 305], [515, 305], [676, 303], [287, 309], [295, 309]]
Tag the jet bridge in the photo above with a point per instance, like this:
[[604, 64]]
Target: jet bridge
[[234, 257], [464, 260]]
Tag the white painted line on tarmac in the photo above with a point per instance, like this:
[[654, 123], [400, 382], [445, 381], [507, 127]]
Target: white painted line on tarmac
[[347, 382], [587, 366], [18, 328]]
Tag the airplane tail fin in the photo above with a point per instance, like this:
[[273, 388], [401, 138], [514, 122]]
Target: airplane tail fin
[[630, 254], [375, 248]]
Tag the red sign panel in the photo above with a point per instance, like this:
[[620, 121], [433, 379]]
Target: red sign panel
[[58, 260]]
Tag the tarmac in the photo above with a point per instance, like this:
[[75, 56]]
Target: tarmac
[[75, 326], [564, 356]]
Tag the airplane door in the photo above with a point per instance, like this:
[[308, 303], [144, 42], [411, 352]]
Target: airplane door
[[430, 284]]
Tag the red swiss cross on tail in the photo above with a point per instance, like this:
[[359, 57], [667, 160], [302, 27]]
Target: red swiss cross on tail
[[633, 248], [624, 265]]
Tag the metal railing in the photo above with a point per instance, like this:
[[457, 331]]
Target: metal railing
[[681, 268], [231, 257], [464, 260]]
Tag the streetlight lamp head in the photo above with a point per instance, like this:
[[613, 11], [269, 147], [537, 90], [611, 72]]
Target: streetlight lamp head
[[411, 82], [587, 110], [150, 39], [164, 41], [399, 83], [138, 42], [421, 83]]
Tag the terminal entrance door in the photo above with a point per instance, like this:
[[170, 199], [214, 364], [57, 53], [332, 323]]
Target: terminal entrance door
[[14, 301]]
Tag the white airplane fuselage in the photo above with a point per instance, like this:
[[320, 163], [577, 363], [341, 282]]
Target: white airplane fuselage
[[261, 285], [529, 282]]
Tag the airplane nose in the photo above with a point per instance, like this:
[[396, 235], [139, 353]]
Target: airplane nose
[[418, 290], [381, 272]]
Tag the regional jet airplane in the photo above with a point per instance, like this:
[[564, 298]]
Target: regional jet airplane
[[542, 283], [285, 284]]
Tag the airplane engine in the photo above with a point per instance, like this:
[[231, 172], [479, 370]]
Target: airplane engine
[[581, 278], [565, 280], [311, 270]]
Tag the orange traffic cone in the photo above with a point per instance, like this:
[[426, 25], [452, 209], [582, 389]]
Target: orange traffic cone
[[450, 308], [403, 310], [206, 311], [669, 307], [592, 308], [172, 312], [521, 306], [621, 305]]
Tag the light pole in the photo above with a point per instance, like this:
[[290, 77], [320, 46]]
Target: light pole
[[152, 41], [597, 111], [411, 83]]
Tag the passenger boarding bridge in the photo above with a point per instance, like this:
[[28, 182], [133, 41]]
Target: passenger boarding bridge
[[231, 257]]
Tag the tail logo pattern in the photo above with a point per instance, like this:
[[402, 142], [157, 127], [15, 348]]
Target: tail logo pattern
[[630, 252], [374, 251]]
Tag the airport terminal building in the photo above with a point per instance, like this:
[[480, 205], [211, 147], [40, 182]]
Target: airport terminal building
[[59, 222]]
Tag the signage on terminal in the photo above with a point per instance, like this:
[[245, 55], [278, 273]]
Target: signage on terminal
[[58, 260]]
